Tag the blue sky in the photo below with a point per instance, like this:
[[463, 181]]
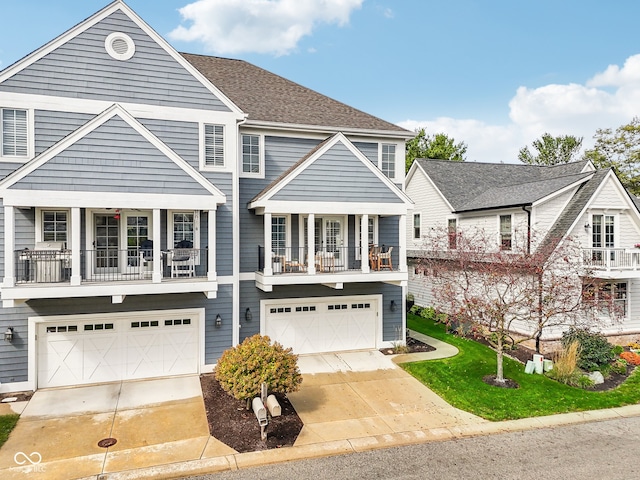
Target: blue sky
[[495, 74]]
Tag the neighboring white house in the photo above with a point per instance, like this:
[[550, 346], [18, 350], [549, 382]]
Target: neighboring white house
[[506, 200]]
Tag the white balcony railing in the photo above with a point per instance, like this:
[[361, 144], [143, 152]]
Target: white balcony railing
[[611, 259]]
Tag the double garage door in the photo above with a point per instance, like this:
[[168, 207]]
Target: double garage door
[[316, 325], [107, 349]]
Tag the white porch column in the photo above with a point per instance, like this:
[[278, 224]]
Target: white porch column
[[311, 243], [268, 261], [76, 227], [9, 247], [157, 253], [211, 237], [364, 243], [402, 234]]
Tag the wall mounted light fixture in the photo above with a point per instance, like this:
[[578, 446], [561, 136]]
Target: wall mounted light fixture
[[587, 226], [248, 316], [393, 307], [218, 320], [8, 334]]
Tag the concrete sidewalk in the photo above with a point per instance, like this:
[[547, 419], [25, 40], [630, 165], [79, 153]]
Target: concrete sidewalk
[[346, 407]]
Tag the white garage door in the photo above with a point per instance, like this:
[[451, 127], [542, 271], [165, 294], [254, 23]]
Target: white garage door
[[324, 325], [99, 350]]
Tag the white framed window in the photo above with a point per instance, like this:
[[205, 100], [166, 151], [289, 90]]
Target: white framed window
[[53, 225], [388, 160], [252, 156], [452, 233], [14, 133], [372, 232], [183, 228], [505, 232], [608, 299], [279, 235], [213, 143], [417, 226]]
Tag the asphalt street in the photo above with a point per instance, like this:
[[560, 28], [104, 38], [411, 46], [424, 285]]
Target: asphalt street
[[598, 450]]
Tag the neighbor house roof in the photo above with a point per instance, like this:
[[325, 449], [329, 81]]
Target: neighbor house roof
[[469, 186], [267, 98]]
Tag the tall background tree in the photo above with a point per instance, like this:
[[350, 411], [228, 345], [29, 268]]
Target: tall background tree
[[551, 150], [439, 146], [620, 150]]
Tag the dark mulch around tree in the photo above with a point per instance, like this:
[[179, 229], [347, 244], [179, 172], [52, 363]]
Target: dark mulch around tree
[[506, 383], [413, 345], [231, 423]]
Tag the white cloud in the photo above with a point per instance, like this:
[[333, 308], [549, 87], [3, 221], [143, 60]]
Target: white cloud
[[259, 26], [609, 99]]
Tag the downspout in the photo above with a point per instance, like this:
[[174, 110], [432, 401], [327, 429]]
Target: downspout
[[527, 208]]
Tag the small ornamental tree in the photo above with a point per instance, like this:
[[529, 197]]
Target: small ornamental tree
[[495, 287], [242, 369]]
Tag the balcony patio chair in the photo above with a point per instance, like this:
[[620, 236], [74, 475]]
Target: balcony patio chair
[[183, 262], [325, 261], [384, 260], [374, 251]]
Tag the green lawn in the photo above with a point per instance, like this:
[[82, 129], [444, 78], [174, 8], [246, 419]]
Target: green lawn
[[7, 422], [459, 381]]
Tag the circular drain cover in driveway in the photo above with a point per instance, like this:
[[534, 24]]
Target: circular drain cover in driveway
[[107, 442]]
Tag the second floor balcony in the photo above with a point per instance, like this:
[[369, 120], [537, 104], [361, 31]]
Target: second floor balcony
[[332, 266], [617, 262]]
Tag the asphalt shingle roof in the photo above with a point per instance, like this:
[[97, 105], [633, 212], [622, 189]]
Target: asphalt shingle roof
[[267, 97], [471, 186]]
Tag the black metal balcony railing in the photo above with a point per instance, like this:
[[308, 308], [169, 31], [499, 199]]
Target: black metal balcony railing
[[108, 265], [295, 260]]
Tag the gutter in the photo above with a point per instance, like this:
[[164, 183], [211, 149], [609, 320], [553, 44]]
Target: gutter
[[527, 208]]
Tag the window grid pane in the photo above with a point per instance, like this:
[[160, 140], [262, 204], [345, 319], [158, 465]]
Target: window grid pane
[[416, 226], [278, 235], [389, 160], [251, 154], [505, 232], [183, 228], [54, 226], [214, 145]]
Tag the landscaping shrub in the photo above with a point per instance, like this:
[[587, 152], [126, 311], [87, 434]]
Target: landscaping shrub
[[595, 350], [632, 358], [619, 366], [618, 349], [241, 370], [565, 365]]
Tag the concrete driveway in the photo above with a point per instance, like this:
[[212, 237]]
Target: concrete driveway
[[365, 394], [154, 422]]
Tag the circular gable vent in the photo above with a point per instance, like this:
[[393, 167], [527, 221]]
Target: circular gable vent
[[120, 46]]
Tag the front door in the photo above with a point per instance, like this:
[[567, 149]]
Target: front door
[[107, 234]]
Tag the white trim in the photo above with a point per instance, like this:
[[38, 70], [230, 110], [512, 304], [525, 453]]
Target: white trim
[[396, 146], [358, 232], [61, 199], [413, 226], [347, 208], [329, 130], [261, 146], [114, 37], [35, 321], [94, 107], [227, 153]]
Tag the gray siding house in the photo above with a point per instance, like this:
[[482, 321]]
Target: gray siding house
[[158, 208]]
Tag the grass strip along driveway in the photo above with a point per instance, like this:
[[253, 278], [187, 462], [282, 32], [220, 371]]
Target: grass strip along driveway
[[458, 380]]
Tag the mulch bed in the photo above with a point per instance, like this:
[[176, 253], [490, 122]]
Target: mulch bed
[[19, 396], [413, 345], [231, 422]]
